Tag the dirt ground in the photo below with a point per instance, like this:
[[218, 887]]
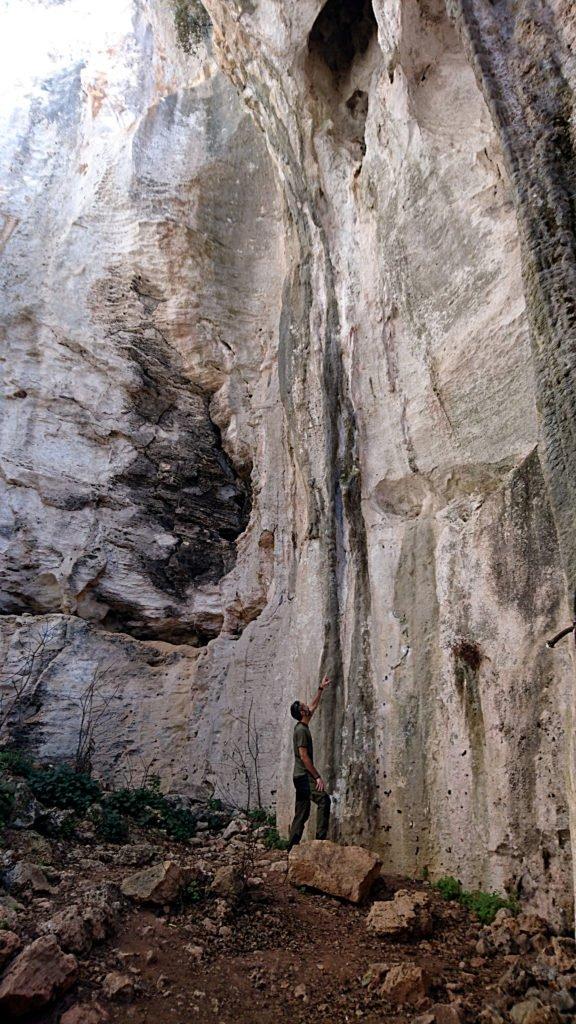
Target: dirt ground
[[290, 955], [276, 954]]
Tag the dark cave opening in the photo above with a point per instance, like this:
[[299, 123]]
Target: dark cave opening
[[342, 31], [340, 62]]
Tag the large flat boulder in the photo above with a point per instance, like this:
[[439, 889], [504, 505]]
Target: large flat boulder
[[39, 974], [345, 871]]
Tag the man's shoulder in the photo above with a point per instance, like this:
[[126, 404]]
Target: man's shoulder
[[301, 730]]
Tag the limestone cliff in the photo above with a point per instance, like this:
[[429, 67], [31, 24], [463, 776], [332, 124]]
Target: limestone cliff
[[284, 395]]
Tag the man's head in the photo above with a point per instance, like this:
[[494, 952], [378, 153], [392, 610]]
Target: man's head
[[300, 711]]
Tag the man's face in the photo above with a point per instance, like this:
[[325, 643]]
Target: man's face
[[304, 711]]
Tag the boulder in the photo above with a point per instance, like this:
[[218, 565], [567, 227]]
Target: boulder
[[531, 1011], [9, 910], [119, 987], [137, 856], [236, 827], [490, 1015], [26, 810], [39, 974], [228, 882], [543, 1015], [28, 877], [406, 916], [406, 983], [345, 871], [84, 1013], [160, 884], [70, 930], [9, 945], [54, 820]]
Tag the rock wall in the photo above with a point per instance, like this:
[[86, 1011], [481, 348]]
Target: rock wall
[[271, 411]]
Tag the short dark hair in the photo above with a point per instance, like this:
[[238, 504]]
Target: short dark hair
[[296, 710]]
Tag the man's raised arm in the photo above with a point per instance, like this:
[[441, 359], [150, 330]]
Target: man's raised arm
[[325, 682]]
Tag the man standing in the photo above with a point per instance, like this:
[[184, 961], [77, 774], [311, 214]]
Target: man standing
[[308, 782]]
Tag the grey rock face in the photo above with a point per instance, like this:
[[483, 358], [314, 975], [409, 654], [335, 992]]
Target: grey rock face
[[270, 384]]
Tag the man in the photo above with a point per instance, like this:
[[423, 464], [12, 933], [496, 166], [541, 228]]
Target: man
[[308, 782]]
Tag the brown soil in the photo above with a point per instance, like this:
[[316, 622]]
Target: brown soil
[[280, 939], [278, 954]]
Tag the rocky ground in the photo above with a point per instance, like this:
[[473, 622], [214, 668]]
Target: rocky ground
[[212, 930]]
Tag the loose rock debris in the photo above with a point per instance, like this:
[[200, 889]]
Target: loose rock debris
[[161, 931]]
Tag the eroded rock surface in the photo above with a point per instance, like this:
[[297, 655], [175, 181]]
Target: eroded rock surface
[[160, 883], [39, 974], [348, 872], [271, 410]]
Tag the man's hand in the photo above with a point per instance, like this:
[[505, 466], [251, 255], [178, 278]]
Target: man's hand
[[312, 707], [320, 785]]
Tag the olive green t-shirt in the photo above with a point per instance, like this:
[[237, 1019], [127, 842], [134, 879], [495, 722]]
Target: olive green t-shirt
[[302, 738]]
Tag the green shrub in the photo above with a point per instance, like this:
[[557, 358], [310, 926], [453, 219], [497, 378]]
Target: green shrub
[[16, 762], [112, 827], [273, 840], [143, 805], [485, 905], [63, 787], [449, 888], [260, 816], [6, 804], [179, 823], [194, 892], [149, 809], [67, 828]]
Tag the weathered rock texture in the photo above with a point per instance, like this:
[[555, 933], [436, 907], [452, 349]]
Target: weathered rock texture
[[348, 872], [271, 410]]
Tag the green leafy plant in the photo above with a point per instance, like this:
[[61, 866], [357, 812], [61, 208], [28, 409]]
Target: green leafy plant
[[112, 827], [68, 828], [260, 816], [143, 805], [15, 762], [194, 892], [449, 888], [485, 905], [273, 840], [6, 804], [191, 21], [179, 823], [150, 809], [63, 787]]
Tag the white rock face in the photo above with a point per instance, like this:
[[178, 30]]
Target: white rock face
[[349, 312], [144, 214]]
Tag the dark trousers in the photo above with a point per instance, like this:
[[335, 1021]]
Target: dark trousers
[[305, 792]]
